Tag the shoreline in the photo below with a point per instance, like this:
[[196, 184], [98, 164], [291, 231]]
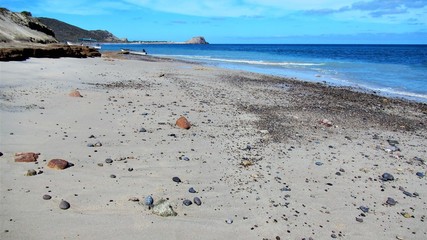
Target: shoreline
[[269, 157]]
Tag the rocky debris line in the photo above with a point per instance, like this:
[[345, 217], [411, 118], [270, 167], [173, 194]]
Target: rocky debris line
[[22, 27], [197, 40], [20, 53]]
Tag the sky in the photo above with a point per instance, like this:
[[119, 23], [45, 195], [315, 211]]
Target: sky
[[243, 21]]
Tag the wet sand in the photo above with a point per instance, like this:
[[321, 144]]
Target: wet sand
[[276, 158]]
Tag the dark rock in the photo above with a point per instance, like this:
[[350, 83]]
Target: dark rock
[[64, 205], [359, 219], [392, 142], [176, 179], [390, 201], [108, 160], [191, 190], [197, 201], [364, 209], [46, 197], [112, 176], [387, 177], [142, 130], [408, 194], [319, 163], [420, 174], [187, 202]]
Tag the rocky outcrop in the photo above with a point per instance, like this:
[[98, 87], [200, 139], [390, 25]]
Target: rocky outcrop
[[197, 40], [23, 52], [22, 27]]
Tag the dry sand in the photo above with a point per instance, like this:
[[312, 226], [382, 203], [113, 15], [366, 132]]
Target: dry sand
[[312, 155]]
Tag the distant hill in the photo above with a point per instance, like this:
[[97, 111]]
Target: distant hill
[[67, 32]]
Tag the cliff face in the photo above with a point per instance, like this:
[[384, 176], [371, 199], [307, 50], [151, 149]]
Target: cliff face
[[197, 40], [67, 32], [22, 27]]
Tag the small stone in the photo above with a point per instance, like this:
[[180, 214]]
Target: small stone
[[112, 176], [364, 209], [191, 190], [75, 93], [31, 172], [182, 122], [176, 179], [387, 177], [108, 160], [420, 174], [46, 197], [58, 164], [142, 130], [100, 164], [164, 209], [359, 219], [130, 169], [392, 142], [90, 145], [149, 201], [187, 202], [98, 144], [26, 157], [246, 163], [333, 235], [64, 205], [134, 199], [407, 215], [185, 158], [408, 194], [229, 221], [197, 201], [390, 201], [319, 163]]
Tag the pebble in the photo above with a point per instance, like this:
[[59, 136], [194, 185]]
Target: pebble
[[408, 194], [149, 200], [359, 219], [134, 199], [387, 177], [364, 209], [108, 160], [197, 201], [64, 205], [142, 130], [392, 142], [90, 145], [112, 176], [187, 202], [319, 163], [185, 158], [229, 221], [390, 201], [46, 197], [191, 190], [176, 179], [31, 172], [420, 174]]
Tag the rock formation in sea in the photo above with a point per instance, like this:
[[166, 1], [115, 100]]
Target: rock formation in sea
[[197, 40]]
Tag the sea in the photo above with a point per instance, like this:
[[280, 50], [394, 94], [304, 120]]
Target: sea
[[398, 71]]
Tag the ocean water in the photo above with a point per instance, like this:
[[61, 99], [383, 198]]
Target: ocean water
[[389, 70]]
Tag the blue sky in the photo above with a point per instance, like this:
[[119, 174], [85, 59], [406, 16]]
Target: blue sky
[[243, 21]]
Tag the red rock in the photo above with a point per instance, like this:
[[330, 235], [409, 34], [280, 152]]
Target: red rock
[[182, 122], [58, 164], [26, 157], [75, 93], [326, 122]]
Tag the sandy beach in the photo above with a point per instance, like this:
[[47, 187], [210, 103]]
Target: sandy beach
[[268, 157]]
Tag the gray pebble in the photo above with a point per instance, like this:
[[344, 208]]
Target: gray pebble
[[229, 221], [187, 202], [185, 158], [319, 163], [420, 174], [64, 205], [142, 130], [176, 179], [112, 176], [390, 201], [46, 197], [408, 194], [108, 160], [191, 190], [387, 177], [90, 145], [359, 219], [364, 209], [149, 200], [197, 201]]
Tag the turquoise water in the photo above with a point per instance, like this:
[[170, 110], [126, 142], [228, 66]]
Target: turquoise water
[[390, 70]]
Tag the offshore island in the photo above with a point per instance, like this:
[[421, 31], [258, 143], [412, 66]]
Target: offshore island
[[106, 145]]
